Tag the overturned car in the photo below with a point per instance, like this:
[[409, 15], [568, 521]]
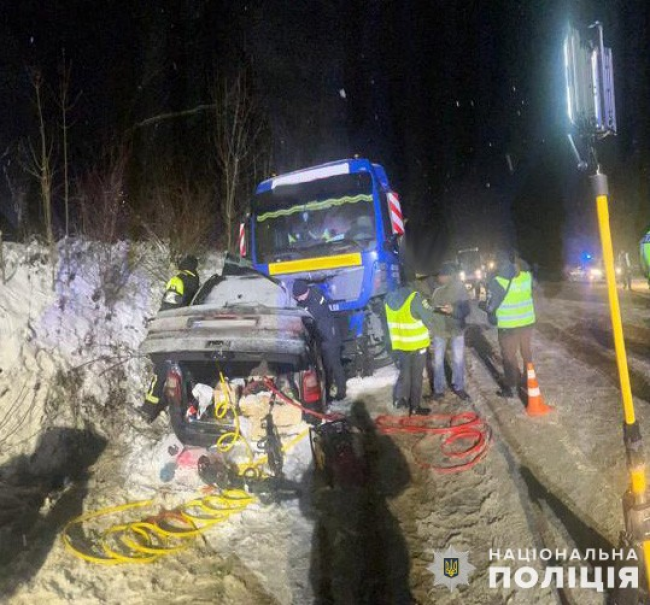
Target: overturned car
[[241, 331]]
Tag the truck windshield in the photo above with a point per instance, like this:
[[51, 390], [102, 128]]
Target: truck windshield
[[469, 260], [318, 218]]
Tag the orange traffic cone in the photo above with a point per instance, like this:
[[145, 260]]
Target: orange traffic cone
[[536, 405]]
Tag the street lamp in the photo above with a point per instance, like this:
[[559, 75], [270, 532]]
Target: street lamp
[[591, 110]]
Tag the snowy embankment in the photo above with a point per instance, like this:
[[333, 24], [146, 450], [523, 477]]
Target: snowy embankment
[[69, 354]]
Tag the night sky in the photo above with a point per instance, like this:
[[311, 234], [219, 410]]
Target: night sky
[[461, 101]]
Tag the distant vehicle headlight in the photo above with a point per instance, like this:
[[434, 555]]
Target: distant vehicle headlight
[[462, 275], [491, 265], [478, 274], [595, 273], [619, 270]]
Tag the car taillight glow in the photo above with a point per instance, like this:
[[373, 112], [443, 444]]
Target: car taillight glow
[[311, 392]]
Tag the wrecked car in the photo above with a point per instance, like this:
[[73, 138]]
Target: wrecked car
[[241, 328]]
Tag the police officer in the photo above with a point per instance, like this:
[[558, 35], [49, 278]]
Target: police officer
[[409, 319], [510, 304], [314, 301], [179, 292]]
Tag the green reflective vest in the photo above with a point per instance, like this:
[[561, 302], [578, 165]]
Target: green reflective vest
[[176, 284], [516, 310], [407, 333]]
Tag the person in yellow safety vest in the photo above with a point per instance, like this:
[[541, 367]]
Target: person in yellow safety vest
[[179, 292], [181, 288], [511, 308], [410, 318]]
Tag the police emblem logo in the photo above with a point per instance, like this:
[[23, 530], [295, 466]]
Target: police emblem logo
[[451, 568]]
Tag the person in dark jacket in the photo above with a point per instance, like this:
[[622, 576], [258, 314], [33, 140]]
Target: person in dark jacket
[[179, 292], [450, 304], [510, 304], [313, 300], [409, 320]]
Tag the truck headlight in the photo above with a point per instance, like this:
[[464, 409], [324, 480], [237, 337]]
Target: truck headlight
[[619, 270], [462, 276]]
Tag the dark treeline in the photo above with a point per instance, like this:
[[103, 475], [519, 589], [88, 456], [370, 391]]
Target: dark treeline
[[461, 101]]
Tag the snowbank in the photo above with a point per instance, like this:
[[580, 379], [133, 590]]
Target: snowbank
[[69, 354]]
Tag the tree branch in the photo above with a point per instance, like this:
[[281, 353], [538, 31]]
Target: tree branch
[[171, 115]]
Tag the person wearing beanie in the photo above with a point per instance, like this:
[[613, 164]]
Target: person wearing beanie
[[179, 292], [450, 305], [313, 300]]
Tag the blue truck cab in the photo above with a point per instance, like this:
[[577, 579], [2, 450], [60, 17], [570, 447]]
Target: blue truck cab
[[335, 226]]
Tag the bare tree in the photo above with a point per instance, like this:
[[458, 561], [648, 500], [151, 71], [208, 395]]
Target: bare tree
[[101, 195], [241, 145], [16, 180], [181, 214], [65, 106], [40, 166]]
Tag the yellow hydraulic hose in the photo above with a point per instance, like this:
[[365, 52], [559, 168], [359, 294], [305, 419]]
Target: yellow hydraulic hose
[[145, 541]]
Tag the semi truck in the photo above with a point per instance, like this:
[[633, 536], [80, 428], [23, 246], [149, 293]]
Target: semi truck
[[337, 226]]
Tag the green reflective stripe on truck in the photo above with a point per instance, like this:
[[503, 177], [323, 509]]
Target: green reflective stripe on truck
[[311, 206]]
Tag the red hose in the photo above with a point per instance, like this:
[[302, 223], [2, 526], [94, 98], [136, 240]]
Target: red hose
[[466, 425], [455, 427], [270, 385]]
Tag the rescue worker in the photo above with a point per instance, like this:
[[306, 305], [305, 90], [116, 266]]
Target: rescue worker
[[409, 320], [327, 329], [625, 267], [179, 292], [450, 305], [510, 304], [181, 288]]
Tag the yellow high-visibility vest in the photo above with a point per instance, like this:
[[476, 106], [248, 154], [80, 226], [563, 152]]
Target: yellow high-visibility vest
[[407, 333], [517, 310]]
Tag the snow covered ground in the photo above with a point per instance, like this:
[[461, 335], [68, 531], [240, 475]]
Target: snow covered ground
[[70, 371]]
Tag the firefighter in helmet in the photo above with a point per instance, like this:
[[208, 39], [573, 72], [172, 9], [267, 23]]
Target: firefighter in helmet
[[179, 292]]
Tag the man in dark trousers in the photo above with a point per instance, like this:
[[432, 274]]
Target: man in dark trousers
[[510, 304], [314, 301], [179, 292], [409, 318], [450, 305]]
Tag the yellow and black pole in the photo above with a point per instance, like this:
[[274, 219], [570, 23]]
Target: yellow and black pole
[[635, 501]]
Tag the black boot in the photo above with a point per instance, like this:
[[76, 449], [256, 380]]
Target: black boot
[[419, 411]]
